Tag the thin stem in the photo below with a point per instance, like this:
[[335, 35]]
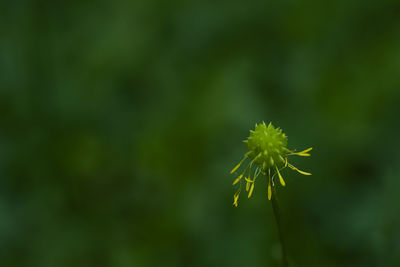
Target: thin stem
[[275, 208]]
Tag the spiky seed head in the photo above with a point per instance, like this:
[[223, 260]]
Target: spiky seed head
[[267, 146], [267, 149]]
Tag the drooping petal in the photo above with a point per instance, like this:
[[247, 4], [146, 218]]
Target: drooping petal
[[299, 171], [269, 190], [248, 180], [303, 172], [237, 179], [303, 153], [235, 199], [251, 190], [280, 177], [237, 166], [306, 150]]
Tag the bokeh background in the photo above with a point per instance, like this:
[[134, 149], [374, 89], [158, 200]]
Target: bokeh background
[[120, 121]]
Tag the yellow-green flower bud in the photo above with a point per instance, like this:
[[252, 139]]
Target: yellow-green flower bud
[[267, 146]]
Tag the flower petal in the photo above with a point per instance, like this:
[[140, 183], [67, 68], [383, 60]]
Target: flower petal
[[304, 152], [235, 199], [269, 191], [280, 177], [238, 179], [248, 180], [251, 190], [299, 171], [237, 166], [303, 172]]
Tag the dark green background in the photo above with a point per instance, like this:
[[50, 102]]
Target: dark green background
[[120, 121]]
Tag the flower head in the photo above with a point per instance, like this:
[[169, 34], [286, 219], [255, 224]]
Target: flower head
[[267, 155]]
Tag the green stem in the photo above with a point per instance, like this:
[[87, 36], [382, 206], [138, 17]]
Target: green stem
[[275, 208]]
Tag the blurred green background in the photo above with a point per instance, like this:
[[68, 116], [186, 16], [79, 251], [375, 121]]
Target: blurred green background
[[120, 121]]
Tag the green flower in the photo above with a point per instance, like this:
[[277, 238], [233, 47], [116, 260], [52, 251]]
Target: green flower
[[267, 154]]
